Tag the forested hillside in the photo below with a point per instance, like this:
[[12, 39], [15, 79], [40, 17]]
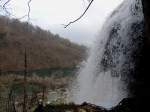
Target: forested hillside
[[44, 49]]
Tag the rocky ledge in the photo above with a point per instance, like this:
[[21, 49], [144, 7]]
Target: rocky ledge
[[126, 105]]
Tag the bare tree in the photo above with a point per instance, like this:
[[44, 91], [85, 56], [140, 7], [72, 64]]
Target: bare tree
[[11, 101], [25, 83]]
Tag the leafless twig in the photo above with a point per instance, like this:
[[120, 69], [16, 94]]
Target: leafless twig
[[65, 26], [28, 13], [4, 7], [29, 10]]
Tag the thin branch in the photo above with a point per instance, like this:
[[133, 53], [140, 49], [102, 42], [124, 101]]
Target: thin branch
[[65, 26], [29, 10], [7, 12], [22, 17], [28, 13], [4, 7], [6, 3]]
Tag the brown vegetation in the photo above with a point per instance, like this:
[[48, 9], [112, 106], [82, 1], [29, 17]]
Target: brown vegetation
[[27, 47], [44, 49]]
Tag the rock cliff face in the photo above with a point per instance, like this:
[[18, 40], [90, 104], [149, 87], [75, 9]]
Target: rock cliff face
[[141, 87]]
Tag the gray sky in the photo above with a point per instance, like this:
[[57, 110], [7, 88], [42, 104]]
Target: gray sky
[[50, 14]]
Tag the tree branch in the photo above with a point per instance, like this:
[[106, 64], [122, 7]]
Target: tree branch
[[4, 7], [29, 10], [65, 26]]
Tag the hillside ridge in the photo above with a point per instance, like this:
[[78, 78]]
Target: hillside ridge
[[44, 49]]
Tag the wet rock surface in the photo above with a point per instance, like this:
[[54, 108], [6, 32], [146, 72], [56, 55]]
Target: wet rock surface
[[126, 105]]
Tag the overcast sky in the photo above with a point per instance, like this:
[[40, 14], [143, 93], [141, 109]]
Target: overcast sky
[[51, 14]]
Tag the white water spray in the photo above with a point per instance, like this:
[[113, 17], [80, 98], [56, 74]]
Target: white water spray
[[100, 79]]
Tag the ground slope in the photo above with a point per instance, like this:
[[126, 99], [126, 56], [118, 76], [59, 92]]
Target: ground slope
[[44, 49]]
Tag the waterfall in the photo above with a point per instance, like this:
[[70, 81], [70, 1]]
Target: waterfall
[[102, 79]]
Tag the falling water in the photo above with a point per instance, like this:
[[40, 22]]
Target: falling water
[[102, 79]]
